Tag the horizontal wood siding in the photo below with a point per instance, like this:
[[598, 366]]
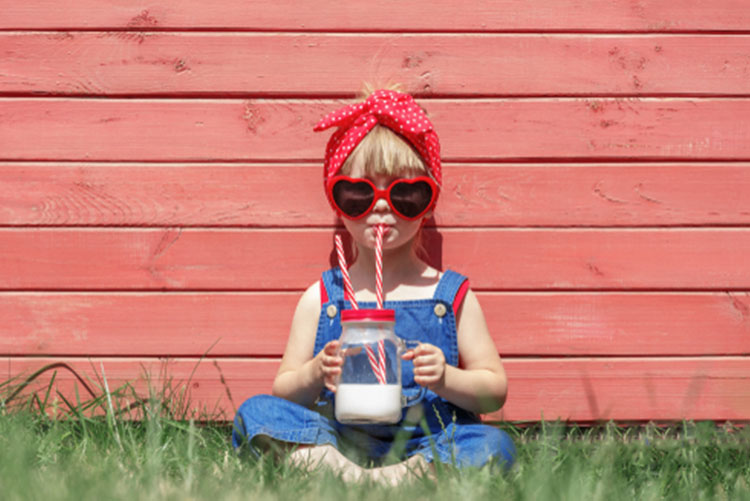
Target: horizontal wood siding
[[479, 195], [390, 15], [161, 206], [291, 259], [112, 63], [184, 324], [281, 129]]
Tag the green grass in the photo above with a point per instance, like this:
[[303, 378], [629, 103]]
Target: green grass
[[90, 451]]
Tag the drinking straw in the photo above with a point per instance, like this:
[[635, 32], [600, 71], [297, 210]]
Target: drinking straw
[[377, 368], [348, 289], [379, 234]]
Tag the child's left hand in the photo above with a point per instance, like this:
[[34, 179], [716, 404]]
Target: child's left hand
[[429, 365]]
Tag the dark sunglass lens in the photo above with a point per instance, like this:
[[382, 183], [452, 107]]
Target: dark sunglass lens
[[411, 199], [353, 199]]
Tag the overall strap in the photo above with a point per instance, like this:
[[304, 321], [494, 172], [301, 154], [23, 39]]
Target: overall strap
[[331, 286], [451, 289]]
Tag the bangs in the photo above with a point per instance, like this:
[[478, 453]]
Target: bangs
[[382, 151]]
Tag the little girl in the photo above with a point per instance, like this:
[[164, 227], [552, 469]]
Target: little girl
[[382, 167]]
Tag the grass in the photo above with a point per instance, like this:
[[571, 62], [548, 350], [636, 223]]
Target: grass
[[94, 449]]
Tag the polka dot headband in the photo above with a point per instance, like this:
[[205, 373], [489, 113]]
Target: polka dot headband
[[395, 110]]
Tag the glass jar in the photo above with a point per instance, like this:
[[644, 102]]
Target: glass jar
[[369, 388]]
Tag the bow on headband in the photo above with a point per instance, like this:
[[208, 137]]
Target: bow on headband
[[395, 110]]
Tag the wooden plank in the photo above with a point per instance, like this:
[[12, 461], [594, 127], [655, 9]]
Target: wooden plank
[[117, 63], [635, 389], [153, 324], [499, 259], [622, 389], [637, 194], [257, 324], [358, 15], [476, 129]]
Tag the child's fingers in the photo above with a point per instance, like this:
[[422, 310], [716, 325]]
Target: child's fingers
[[332, 361], [433, 359], [350, 352], [409, 355], [428, 370], [331, 347]]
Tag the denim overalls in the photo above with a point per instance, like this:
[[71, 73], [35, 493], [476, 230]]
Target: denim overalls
[[455, 436]]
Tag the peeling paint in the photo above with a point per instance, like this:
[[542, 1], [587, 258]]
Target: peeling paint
[[133, 36], [595, 106], [252, 117], [411, 61], [594, 269], [427, 82], [740, 306], [143, 19], [181, 65]]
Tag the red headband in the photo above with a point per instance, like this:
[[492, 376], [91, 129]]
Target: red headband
[[395, 110]]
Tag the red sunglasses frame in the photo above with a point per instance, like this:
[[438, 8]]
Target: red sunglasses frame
[[378, 194]]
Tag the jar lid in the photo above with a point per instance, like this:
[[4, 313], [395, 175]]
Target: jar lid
[[369, 315]]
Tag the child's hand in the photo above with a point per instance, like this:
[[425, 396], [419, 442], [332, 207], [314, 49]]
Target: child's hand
[[329, 364], [429, 365]]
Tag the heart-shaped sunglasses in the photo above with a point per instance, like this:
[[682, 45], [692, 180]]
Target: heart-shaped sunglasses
[[353, 198]]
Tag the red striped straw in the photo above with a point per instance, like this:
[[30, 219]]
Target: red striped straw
[[377, 368], [379, 234], [348, 289], [377, 364]]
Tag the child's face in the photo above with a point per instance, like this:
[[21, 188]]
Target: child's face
[[399, 232]]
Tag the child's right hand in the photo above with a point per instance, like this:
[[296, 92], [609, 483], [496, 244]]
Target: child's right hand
[[329, 364]]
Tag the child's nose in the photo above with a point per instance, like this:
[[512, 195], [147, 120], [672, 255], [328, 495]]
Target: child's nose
[[381, 205]]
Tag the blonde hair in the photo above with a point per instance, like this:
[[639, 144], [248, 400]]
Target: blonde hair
[[382, 151]]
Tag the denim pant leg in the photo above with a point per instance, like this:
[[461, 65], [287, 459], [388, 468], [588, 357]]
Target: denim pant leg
[[468, 445], [281, 420]]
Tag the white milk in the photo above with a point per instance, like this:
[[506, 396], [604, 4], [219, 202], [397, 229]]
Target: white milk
[[368, 403]]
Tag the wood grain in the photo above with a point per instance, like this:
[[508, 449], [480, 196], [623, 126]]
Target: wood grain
[[622, 389], [222, 64], [473, 195], [281, 130], [497, 259], [390, 15], [257, 324]]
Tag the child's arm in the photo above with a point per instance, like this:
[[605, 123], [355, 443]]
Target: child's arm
[[301, 377], [479, 384]]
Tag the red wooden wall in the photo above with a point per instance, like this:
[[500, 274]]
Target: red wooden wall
[[160, 188]]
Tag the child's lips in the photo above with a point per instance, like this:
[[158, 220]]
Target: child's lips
[[386, 228]]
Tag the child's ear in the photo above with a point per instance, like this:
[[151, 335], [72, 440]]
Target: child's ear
[[427, 216]]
